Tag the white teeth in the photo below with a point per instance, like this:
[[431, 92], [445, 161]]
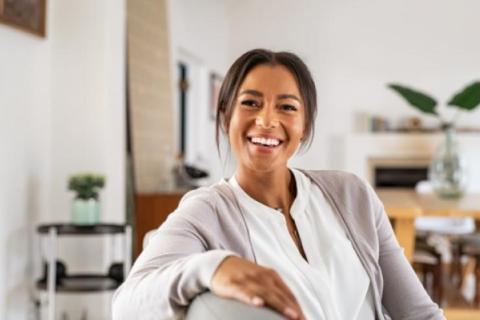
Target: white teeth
[[265, 141]]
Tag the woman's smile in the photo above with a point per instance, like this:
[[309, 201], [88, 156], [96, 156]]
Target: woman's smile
[[264, 143]]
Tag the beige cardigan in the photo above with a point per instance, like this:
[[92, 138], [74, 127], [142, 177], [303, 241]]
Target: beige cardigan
[[209, 225]]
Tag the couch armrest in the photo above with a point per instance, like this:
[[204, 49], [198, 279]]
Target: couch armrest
[[209, 306]]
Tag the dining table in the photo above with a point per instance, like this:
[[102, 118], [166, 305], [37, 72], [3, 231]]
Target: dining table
[[403, 206]]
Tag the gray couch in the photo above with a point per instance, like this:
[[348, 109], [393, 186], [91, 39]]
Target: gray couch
[[208, 306]]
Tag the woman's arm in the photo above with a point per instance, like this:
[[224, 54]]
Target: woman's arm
[[403, 295], [173, 269]]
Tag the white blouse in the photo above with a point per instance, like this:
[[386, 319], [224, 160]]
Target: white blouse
[[333, 284]]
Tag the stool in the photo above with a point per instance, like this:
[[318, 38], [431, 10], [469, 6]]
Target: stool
[[473, 250], [427, 262]]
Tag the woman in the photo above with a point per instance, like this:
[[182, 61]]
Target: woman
[[308, 244]]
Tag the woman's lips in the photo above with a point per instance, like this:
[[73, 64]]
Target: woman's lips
[[264, 140], [264, 144]]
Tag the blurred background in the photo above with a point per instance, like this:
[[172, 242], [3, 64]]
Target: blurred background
[[126, 89]]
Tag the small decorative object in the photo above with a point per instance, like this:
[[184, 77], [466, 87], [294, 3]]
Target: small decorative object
[[413, 124], [28, 15], [379, 124], [188, 176], [86, 205], [115, 271], [215, 85], [60, 272], [447, 171]]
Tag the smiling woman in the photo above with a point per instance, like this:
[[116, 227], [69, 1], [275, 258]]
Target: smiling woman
[[306, 244]]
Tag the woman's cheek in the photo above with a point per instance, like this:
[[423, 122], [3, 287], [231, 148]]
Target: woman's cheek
[[297, 128]]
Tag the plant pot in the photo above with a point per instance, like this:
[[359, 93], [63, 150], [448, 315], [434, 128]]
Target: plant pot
[[448, 170], [85, 211]]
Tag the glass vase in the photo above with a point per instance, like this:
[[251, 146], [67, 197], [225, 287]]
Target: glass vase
[[447, 171]]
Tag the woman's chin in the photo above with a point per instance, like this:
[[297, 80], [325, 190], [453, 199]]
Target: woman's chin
[[264, 165]]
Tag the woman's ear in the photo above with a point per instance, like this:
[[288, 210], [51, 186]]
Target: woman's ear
[[303, 136], [305, 133]]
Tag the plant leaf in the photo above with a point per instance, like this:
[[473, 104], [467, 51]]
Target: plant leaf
[[467, 99], [417, 99]]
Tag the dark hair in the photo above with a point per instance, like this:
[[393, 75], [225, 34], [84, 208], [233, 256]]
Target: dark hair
[[249, 60]]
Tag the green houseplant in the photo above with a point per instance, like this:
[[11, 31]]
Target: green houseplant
[[86, 205], [447, 171]]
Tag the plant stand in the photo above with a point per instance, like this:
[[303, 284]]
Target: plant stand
[[79, 283]]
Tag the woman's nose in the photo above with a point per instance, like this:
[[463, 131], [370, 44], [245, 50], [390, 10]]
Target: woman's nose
[[266, 119]]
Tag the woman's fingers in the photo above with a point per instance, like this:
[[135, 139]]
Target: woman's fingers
[[250, 283], [273, 297], [266, 293], [279, 283], [284, 291]]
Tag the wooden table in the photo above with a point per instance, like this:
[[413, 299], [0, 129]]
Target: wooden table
[[405, 205]]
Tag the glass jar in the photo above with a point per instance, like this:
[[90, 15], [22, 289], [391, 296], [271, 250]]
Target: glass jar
[[447, 172]]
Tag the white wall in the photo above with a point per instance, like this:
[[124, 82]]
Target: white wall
[[355, 47], [88, 100], [24, 160], [88, 124], [200, 36], [62, 111]]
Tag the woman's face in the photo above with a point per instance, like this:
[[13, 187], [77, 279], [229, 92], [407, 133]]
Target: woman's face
[[267, 123]]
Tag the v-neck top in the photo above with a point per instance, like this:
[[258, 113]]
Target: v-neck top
[[331, 283], [183, 255]]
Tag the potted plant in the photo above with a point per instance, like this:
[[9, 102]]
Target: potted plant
[[447, 170], [86, 205]]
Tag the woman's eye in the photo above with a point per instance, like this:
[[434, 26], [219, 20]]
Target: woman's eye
[[250, 103], [288, 107]]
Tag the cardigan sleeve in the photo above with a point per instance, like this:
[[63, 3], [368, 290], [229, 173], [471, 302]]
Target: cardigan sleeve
[[403, 295], [174, 267]]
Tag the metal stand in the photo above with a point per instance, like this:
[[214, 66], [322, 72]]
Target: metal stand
[[73, 283], [52, 271]]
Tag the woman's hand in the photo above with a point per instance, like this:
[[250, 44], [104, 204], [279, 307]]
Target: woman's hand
[[250, 283]]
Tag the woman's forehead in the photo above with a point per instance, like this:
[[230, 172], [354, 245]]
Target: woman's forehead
[[270, 78]]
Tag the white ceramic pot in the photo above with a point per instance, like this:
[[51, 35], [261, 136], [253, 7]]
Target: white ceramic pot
[[85, 211]]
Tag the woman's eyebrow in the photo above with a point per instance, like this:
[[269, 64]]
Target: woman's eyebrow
[[252, 92], [289, 96], [280, 96]]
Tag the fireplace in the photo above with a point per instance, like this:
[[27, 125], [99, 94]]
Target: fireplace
[[397, 172], [401, 159]]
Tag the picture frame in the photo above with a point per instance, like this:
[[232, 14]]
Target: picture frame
[[26, 15], [216, 81]]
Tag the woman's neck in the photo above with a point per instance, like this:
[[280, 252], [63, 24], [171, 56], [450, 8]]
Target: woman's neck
[[275, 189]]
